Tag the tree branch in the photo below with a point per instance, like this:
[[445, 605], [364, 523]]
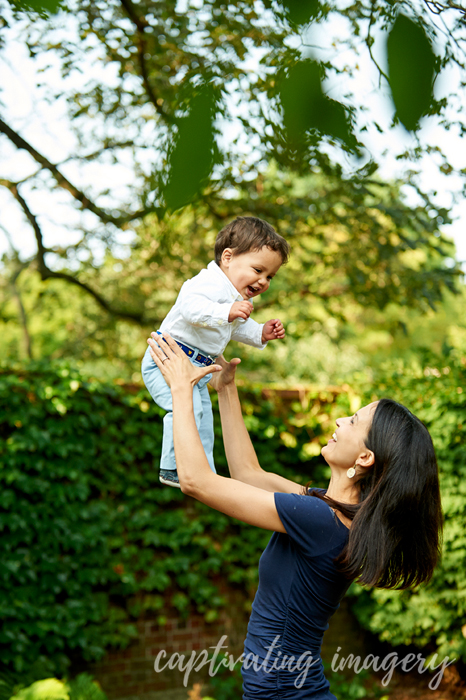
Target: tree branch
[[141, 25], [438, 7], [63, 182], [46, 273], [107, 146], [369, 41]]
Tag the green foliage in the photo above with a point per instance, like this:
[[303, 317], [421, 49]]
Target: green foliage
[[48, 689], [192, 157], [180, 144], [432, 616], [83, 687], [355, 687], [214, 43], [301, 12], [357, 251], [227, 683], [8, 684], [411, 64], [307, 109], [42, 7], [90, 540]]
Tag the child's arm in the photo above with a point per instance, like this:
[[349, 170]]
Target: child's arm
[[240, 309], [199, 308], [258, 334]]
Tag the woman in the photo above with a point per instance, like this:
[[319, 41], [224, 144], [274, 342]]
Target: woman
[[378, 521]]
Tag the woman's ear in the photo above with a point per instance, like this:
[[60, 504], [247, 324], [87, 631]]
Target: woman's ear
[[366, 459]]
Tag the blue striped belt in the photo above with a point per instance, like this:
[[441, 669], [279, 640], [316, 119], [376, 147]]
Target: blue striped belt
[[195, 354]]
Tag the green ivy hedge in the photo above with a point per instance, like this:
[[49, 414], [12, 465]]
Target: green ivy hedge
[[433, 616], [90, 540]]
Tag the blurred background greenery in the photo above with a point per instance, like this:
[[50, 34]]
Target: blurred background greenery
[[212, 111]]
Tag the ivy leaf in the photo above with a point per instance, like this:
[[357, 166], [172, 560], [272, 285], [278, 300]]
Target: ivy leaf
[[306, 107], [192, 156], [301, 11], [411, 65], [43, 7]]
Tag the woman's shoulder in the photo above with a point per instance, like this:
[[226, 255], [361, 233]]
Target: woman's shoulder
[[309, 521], [304, 501], [337, 514]]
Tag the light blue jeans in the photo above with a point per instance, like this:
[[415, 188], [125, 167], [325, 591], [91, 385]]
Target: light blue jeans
[[160, 392]]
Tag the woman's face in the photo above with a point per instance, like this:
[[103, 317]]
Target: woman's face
[[347, 446]]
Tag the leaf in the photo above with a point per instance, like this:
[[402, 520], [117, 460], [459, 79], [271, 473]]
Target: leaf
[[40, 6], [301, 11], [48, 689], [192, 156], [411, 66], [306, 107]]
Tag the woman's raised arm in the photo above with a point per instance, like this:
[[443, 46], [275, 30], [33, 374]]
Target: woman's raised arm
[[240, 453], [248, 503]]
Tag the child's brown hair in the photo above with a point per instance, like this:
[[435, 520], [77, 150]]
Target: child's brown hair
[[248, 233]]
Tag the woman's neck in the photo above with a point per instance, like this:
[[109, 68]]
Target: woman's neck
[[342, 489]]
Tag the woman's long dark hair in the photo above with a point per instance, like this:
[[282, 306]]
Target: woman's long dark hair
[[395, 536]]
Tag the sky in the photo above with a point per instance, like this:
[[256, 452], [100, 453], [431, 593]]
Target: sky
[[46, 126]]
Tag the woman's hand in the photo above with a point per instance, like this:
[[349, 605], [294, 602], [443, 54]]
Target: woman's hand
[[227, 376], [176, 369]]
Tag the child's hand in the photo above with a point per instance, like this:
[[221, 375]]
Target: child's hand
[[240, 309], [273, 330]]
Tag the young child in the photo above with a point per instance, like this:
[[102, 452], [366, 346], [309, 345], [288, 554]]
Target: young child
[[212, 308]]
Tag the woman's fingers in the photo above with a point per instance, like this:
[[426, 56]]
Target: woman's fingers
[[163, 340], [156, 352], [223, 363], [166, 354], [212, 369], [219, 381]]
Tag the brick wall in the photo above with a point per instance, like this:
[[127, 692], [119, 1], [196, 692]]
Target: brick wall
[[130, 673]]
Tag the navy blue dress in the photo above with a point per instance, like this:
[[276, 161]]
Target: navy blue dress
[[299, 590]]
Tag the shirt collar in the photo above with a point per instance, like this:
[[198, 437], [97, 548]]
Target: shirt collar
[[213, 267]]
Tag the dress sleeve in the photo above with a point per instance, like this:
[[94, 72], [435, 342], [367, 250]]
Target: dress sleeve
[[309, 522]]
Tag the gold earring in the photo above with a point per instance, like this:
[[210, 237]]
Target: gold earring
[[351, 472]]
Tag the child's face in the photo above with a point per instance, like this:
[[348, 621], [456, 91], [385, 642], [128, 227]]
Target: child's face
[[251, 273]]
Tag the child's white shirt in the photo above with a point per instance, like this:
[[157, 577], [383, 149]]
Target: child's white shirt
[[199, 316]]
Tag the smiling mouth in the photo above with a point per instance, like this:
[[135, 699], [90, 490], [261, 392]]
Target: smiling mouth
[[334, 437], [253, 290]]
